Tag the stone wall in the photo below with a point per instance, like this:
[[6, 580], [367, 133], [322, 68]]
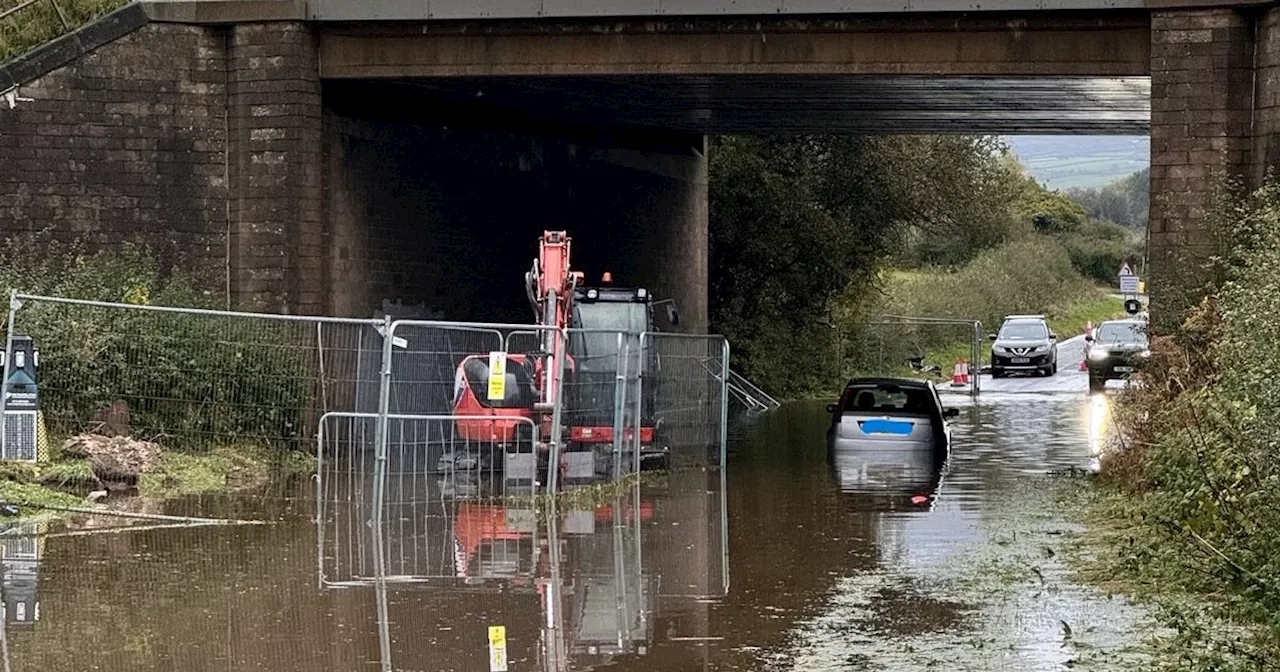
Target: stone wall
[[1202, 70], [129, 142], [274, 123]]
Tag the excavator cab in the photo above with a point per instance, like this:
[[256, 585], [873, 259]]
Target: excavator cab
[[471, 397], [602, 314]]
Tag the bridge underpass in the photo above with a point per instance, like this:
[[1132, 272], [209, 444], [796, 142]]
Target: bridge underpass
[[353, 159], [473, 168]]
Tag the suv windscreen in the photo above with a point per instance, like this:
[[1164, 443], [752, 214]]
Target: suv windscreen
[[1121, 332], [1023, 331], [894, 401]]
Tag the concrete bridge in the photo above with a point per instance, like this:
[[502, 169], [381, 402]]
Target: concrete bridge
[[326, 155]]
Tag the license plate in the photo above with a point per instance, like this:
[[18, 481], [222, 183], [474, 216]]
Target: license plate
[[1021, 360], [1124, 369], [886, 427]]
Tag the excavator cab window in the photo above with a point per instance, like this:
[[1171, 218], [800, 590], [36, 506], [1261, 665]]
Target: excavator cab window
[[520, 392], [598, 351]]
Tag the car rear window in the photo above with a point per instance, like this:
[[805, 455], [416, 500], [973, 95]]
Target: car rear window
[[885, 400]]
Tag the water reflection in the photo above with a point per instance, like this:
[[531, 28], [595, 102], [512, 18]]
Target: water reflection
[[836, 565], [1099, 414], [595, 571], [888, 480], [20, 554]]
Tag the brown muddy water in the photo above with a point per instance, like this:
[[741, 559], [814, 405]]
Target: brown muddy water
[[887, 563]]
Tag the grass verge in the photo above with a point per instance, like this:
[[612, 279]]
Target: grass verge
[[66, 482], [39, 23], [1071, 322], [1122, 553]]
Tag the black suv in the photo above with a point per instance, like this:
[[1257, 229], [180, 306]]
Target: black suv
[[1024, 344], [1116, 349]]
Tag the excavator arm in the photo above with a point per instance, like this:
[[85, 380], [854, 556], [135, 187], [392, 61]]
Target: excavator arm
[[550, 286]]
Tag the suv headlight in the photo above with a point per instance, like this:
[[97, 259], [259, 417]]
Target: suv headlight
[[1040, 348], [1097, 354]]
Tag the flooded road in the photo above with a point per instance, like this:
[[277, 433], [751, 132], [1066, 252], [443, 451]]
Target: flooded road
[[875, 563]]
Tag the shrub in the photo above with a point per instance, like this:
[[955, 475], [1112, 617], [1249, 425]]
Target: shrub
[[1201, 448], [1099, 248], [199, 380]]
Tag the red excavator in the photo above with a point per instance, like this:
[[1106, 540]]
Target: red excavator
[[529, 390], [591, 364]]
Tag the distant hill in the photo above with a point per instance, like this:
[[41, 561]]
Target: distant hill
[[1084, 161]]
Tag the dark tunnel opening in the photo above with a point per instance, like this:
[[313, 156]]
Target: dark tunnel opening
[[441, 206]]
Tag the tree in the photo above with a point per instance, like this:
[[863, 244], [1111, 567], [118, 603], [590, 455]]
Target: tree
[[1124, 201], [796, 221]]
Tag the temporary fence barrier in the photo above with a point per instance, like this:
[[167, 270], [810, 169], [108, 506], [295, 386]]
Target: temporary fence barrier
[[189, 379], [196, 380], [690, 392], [750, 394], [436, 523]]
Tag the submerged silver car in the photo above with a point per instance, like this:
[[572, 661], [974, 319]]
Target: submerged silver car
[[889, 414]]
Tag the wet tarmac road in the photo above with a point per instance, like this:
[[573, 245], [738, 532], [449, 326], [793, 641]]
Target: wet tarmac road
[[871, 562]]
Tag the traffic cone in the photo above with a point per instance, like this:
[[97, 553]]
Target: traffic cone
[[964, 371], [1084, 364], [956, 378]]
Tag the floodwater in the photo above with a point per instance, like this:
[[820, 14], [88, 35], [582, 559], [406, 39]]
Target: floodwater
[[885, 563]]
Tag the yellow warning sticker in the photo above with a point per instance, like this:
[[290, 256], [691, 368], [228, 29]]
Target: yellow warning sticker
[[497, 648], [497, 375]]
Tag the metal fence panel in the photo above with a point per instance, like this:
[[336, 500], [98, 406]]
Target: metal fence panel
[[190, 379], [689, 388], [458, 523], [886, 348]]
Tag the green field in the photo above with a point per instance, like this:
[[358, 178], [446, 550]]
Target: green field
[[1063, 162]]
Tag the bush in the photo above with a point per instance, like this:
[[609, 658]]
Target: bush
[[1202, 450], [196, 380], [1098, 249], [1033, 275]]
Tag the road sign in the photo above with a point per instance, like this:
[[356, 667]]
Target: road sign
[[1128, 280], [497, 648], [497, 375]]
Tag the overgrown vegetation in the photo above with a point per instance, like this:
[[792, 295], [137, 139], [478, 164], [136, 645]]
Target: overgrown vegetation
[[38, 23], [808, 235], [190, 381], [1033, 275], [1195, 481]]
